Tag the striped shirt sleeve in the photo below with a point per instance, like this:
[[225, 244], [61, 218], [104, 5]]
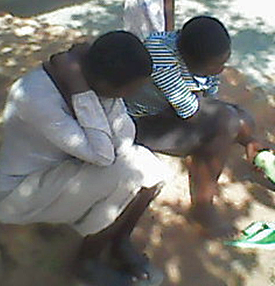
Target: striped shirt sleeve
[[170, 82], [168, 78]]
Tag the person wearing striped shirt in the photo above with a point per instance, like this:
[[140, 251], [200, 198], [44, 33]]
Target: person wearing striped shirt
[[172, 77], [178, 112]]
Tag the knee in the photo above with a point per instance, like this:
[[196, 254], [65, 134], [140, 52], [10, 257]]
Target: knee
[[244, 124], [218, 119], [228, 121], [238, 121], [246, 121]]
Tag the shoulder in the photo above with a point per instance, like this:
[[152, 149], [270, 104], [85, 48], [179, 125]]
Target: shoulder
[[161, 47], [32, 85], [34, 91]]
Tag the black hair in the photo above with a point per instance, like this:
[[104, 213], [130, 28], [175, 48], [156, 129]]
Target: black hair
[[202, 38], [118, 58]]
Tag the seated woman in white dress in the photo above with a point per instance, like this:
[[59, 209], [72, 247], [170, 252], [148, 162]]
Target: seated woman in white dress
[[72, 158]]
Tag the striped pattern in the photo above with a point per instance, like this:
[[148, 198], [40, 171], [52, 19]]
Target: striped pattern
[[171, 76]]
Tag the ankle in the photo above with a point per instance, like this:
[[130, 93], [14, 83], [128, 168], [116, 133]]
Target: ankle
[[91, 247], [206, 196], [252, 149]]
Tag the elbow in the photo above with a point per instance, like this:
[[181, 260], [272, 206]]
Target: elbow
[[105, 162], [106, 159]]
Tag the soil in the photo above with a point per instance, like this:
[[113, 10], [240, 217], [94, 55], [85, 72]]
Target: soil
[[173, 244]]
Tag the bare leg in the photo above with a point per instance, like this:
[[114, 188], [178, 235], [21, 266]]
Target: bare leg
[[203, 177], [117, 236], [205, 167], [208, 141]]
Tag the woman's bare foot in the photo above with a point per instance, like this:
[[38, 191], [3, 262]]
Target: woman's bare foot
[[94, 272], [128, 259], [212, 222]]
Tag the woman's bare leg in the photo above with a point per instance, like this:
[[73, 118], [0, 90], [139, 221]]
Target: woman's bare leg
[[117, 237]]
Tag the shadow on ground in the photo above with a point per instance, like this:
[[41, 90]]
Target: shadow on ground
[[174, 244], [252, 40], [104, 21], [177, 247], [187, 258], [24, 9]]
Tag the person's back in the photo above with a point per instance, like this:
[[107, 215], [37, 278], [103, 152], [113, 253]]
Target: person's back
[[25, 148]]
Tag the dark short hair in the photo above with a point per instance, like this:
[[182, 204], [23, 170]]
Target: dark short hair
[[202, 38], [119, 58]]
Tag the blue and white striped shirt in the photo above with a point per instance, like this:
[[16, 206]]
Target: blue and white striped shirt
[[172, 78]]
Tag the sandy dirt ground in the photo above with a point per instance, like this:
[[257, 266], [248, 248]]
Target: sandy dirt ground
[[176, 246], [173, 244]]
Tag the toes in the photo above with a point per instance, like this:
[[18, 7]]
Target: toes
[[220, 232], [139, 272], [94, 272], [130, 260], [212, 223]]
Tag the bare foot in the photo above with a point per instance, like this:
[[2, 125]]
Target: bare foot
[[94, 272], [252, 150], [130, 260], [213, 224]]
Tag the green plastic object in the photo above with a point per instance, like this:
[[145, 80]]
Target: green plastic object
[[265, 160], [257, 235]]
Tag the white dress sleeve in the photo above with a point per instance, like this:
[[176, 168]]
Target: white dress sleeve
[[86, 138], [143, 17]]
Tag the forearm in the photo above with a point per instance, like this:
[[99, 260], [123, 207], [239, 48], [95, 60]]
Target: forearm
[[101, 146], [93, 120]]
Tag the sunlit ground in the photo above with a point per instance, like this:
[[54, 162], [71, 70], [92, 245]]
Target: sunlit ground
[[251, 25], [170, 240]]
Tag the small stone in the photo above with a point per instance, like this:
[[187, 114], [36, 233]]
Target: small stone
[[31, 22], [55, 30], [8, 18], [24, 31], [271, 100], [11, 62], [6, 50], [17, 21], [270, 137], [77, 33], [35, 48]]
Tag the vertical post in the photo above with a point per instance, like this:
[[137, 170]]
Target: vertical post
[[169, 13]]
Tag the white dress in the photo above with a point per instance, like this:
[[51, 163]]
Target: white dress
[[143, 17], [82, 172]]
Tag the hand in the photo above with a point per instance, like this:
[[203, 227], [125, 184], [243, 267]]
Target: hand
[[252, 150]]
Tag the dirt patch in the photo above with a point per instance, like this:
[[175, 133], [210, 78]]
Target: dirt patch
[[172, 243], [177, 247]]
